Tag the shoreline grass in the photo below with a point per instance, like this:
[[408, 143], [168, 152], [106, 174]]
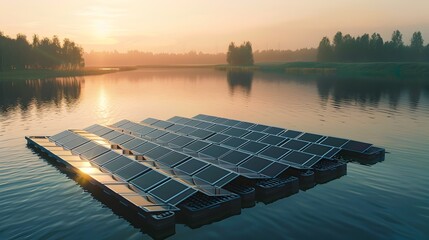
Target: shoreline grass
[[29, 74]]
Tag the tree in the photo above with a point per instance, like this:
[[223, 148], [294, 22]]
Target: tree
[[417, 41], [241, 55], [325, 53], [397, 39]]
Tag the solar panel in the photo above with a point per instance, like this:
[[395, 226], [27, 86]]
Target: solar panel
[[312, 161], [174, 119], [91, 128], [217, 128], [60, 135], [181, 141], [105, 157], [256, 164], [117, 163], [167, 137], [291, 134], [332, 153], [111, 135], [201, 117], [273, 130], [94, 152], [196, 146], [253, 147], [258, 128], [146, 147], [295, 144], [214, 151], [145, 130], [75, 143], [133, 143], [235, 132], [356, 146], [244, 125], [273, 140], [162, 124], [234, 157], [297, 157], [150, 121], [310, 137], [122, 139], [317, 149], [212, 174], [219, 120], [201, 133], [173, 158], [234, 142], [274, 169], [192, 122], [204, 125], [231, 122], [155, 134], [131, 170], [186, 130], [102, 131], [254, 136], [120, 123], [168, 190], [175, 128], [274, 152], [226, 180], [149, 180], [85, 147], [334, 142], [67, 138], [157, 153], [191, 166], [217, 138], [133, 127]]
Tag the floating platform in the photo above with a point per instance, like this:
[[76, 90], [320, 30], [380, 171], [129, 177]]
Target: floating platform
[[199, 170]]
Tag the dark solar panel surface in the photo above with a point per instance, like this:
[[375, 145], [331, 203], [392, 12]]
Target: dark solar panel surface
[[356, 146], [253, 147], [256, 163], [297, 157], [273, 130], [145, 147], [273, 140], [258, 128], [106, 157], [173, 158], [235, 132], [234, 157], [157, 153], [212, 174], [274, 152], [197, 146], [254, 136], [217, 138], [244, 125], [217, 128], [295, 144], [291, 134], [149, 180], [310, 137], [201, 133], [117, 163], [181, 141], [274, 169], [234, 142], [215, 151], [191, 166], [131, 170], [94, 152], [168, 190], [317, 149]]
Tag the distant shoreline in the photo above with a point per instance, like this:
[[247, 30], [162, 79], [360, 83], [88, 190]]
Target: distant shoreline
[[31, 74]]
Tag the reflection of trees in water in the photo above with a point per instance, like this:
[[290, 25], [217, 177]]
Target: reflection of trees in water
[[240, 80], [369, 92], [41, 93]]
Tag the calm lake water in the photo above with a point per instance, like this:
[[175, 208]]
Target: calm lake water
[[388, 200]]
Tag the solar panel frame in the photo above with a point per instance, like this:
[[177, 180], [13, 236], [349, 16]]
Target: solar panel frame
[[356, 146], [173, 159], [201, 133], [120, 123], [256, 163], [192, 122], [212, 174], [231, 122], [312, 161], [150, 121], [254, 136], [181, 141], [60, 135], [105, 157], [317, 149], [74, 143], [214, 151], [201, 117], [295, 144], [274, 152], [235, 132], [94, 152], [204, 125], [219, 120], [274, 169], [174, 119], [122, 139], [186, 130], [155, 134], [144, 148], [157, 153], [234, 157], [162, 124], [233, 142], [111, 135], [149, 180], [258, 128], [310, 137], [133, 143], [175, 127], [132, 171], [103, 131], [117, 164], [196, 146], [244, 125], [191, 166], [84, 147], [334, 141], [273, 130], [217, 138], [253, 147], [217, 128], [296, 157], [181, 120], [273, 140], [167, 137], [291, 134], [168, 190]]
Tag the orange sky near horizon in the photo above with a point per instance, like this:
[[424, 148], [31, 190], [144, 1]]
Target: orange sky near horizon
[[208, 26]]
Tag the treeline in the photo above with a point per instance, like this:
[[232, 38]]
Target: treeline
[[132, 58], [366, 48], [43, 53], [240, 55]]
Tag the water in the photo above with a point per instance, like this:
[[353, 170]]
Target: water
[[388, 200]]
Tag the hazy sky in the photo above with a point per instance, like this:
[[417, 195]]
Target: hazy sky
[[209, 25]]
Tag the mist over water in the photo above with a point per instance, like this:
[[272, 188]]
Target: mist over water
[[388, 200]]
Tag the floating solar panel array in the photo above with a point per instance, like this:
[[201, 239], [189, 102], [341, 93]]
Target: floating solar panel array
[[159, 165]]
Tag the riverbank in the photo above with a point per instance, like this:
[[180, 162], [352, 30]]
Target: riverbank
[[28, 74], [388, 69]]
